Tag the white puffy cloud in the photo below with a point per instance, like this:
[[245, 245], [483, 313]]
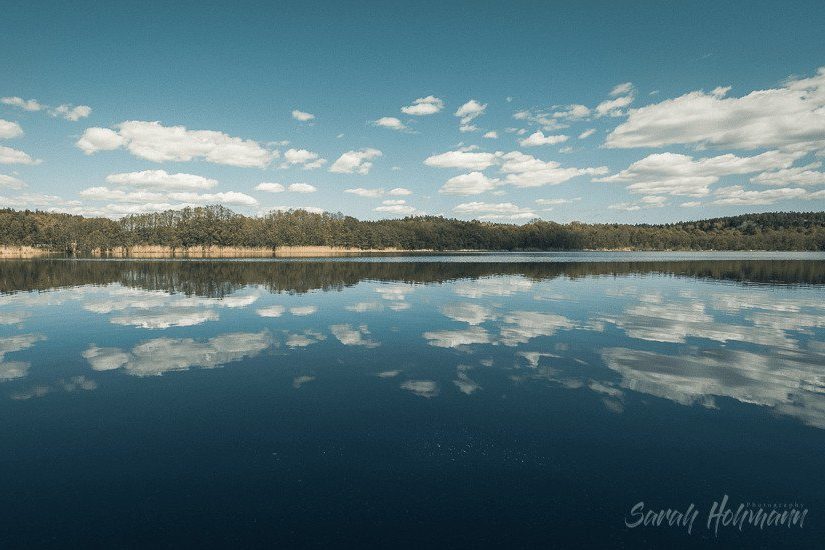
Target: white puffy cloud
[[15, 156], [99, 139], [625, 206], [155, 142], [355, 162], [303, 158], [11, 182], [587, 133], [228, 197], [71, 112], [307, 338], [649, 201], [379, 192], [792, 114], [157, 310], [394, 293], [621, 89], [464, 383], [675, 174], [270, 187], [613, 107], [152, 201], [538, 138], [549, 121], [353, 336], [522, 326], [9, 129], [11, 370], [160, 179], [421, 388], [103, 359], [472, 314], [119, 195], [492, 134], [302, 116], [303, 311], [571, 112], [469, 112], [67, 111], [26, 105], [473, 183], [50, 203], [271, 311], [456, 338], [391, 122], [654, 201], [799, 175], [527, 171], [301, 188], [554, 202], [502, 210], [493, 286], [676, 321], [423, 106], [19, 342], [161, 355], [461, 159], [363, 307], [737, 195], [520, 169], [399, 207], [785, 381], [368, 193], [165, 319]]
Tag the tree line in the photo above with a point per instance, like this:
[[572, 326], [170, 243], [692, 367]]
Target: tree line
[[219, 226]]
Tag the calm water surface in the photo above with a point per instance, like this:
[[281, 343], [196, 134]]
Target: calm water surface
[[463, 401]]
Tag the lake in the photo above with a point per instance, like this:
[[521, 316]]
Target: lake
[[483, 400]]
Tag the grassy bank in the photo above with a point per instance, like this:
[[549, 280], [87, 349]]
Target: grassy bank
[[158, 251], [11, 251]]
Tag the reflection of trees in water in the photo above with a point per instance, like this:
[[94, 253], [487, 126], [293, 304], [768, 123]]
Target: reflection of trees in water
[[219, 278]]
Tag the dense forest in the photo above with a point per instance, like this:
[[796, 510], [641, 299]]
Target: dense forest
[[219, 226]]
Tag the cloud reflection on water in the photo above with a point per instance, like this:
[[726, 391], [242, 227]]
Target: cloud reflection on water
[[619, 338]]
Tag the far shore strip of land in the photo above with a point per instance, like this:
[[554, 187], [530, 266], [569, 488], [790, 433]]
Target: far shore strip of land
[[156, 251]]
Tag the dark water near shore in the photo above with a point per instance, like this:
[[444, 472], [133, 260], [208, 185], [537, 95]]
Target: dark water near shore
[[524, 401]]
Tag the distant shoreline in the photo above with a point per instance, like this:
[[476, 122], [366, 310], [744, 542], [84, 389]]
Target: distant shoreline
[[157, 251], [149, 252], [217, 232]]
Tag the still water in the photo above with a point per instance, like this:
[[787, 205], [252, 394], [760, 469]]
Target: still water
[[464, 401]]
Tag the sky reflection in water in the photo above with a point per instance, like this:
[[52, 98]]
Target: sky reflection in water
[[741, 341], [687, 340]]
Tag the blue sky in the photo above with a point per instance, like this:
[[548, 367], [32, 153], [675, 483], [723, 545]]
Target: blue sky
[[591, 111]]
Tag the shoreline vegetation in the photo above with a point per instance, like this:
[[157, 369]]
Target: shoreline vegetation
[[217, 232], [199, 251]]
